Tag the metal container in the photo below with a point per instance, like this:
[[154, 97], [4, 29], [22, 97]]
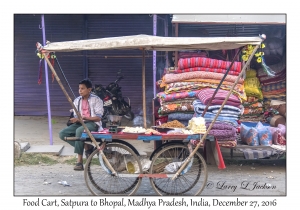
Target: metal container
[[114, 119]]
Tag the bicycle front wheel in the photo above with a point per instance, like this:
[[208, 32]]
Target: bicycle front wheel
[[167, 161], [126, 182]]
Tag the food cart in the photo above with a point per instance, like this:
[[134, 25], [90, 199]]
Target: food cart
[[115, 167]]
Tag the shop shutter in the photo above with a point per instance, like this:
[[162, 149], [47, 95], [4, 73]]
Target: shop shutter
[[104, 65], [29, 97]]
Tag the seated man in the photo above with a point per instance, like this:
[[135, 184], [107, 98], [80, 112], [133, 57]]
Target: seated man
[[90, 107]]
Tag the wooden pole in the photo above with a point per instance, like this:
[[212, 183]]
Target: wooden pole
[[78, 114], [144, 90], [212, 123]]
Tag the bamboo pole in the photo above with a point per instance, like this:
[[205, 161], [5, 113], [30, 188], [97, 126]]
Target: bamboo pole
[[144, 90], [216, 90], [212, 123], [78, 114]]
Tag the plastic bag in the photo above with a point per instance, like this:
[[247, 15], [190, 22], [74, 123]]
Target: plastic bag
[[264, 134], [249, 135]]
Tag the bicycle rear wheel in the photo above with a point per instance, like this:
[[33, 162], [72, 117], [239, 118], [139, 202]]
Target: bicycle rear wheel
[[100, 182], [190, 182]]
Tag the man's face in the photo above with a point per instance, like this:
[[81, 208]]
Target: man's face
[[83, 91]]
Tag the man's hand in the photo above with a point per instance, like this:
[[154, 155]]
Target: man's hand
[[74, 120]]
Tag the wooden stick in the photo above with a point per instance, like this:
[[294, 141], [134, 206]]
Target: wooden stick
[[144, 90], [212, 123], [78, 114]]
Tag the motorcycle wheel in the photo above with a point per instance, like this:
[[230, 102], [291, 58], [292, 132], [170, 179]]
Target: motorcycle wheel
[[129, 115]]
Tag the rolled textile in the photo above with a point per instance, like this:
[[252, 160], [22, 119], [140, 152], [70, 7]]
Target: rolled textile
[[205, 95], [273, 80], [209, 117], [188, 86], [220, 126], [280, 97], [275, 92], [184, 100], [253, 105], [216, 70], [176, 107], [213, 81], [169, 78], [215, 108], [184, 63], [258, 110], [183, 116], [227, 111], [275, 86], [175, 96]]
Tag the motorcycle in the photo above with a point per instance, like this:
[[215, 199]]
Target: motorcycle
[[113, 101]]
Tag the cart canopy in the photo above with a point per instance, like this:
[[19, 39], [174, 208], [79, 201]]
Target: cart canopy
[[148, 42]]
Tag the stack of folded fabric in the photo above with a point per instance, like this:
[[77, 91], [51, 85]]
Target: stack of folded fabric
[[194, 74], [252, 108], [273, 87], [225, 134], [230, 112]]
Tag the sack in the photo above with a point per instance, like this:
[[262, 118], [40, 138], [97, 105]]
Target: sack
[[249, 135], [264, 134]]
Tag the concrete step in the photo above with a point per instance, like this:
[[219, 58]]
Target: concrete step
[[46, 149]]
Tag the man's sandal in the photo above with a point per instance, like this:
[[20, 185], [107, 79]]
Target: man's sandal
[[78, 167]]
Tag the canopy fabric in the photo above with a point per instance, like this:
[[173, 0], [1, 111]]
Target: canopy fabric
[[157, 43]]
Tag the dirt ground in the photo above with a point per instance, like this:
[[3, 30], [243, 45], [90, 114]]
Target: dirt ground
[[42, 180], [261, 179]]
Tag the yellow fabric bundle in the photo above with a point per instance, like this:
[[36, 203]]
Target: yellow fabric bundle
[[252, 87], [251, 73]]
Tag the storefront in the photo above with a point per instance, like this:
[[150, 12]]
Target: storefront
[[256, 109]]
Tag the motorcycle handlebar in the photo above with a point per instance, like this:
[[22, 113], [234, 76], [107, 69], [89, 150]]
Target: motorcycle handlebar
[[119, 79]]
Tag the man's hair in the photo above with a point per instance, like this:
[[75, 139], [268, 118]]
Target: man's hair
[[87, 82]]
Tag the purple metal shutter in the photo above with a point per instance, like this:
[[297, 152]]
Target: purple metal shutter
[[104, 65], [29, 97]]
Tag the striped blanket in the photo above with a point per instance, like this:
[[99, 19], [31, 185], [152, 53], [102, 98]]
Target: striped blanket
[[175, 96], [276, 86], [169, 78], [184, 63], [258, 154], [176, 107], [205, 95], [222, 131], [229, 111], [180, 116], [209, 117], [187, 86], [223, 71]]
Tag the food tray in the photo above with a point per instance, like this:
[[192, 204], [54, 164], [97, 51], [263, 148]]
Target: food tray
[[134, 132], [160, 129]]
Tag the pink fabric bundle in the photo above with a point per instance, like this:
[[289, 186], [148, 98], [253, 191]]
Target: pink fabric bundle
[[205, 94], [169, 78], [184, 63]]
